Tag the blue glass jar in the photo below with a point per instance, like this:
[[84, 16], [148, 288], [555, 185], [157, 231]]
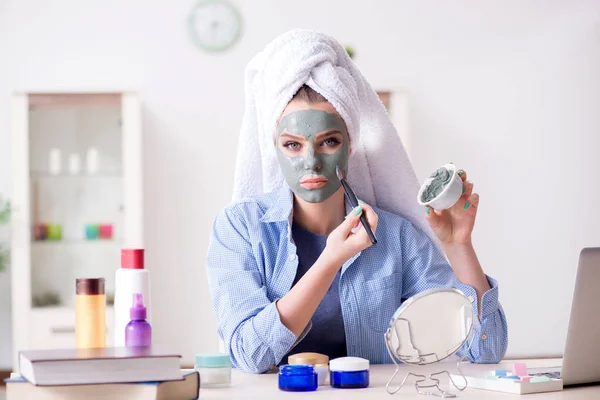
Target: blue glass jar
[[298, 378], [349, 373]]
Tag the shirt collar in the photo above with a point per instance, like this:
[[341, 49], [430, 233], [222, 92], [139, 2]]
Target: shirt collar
[[282, 207]]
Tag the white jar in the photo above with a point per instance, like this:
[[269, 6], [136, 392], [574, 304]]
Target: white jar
[[323, 374], [319, 361], [214, 370]]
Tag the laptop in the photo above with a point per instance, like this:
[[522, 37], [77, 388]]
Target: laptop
[[581, 359]]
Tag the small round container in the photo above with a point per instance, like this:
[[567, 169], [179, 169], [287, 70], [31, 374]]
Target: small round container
[[91, 231], [54, 232], [317, 360], [349, 373], [40, 231], [298, 378], [106, 231], [449, 195], [214, 370]]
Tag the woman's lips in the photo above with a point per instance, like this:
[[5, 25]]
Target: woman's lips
[[313, 182]]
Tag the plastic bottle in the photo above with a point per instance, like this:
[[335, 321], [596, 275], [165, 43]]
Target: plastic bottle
[[138, 332], [90, 313], [131, 278]]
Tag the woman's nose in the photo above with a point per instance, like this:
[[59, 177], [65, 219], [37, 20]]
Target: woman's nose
[[312, 161]]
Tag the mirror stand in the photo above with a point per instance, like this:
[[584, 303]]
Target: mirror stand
[[413, 323]]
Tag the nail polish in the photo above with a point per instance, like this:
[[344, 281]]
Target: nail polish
[[357, 210], [427, 210], [467, 204]]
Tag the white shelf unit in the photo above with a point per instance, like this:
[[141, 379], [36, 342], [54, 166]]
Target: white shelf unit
[[112, 194]]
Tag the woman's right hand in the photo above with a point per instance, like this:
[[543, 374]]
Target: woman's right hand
[[342, 244]]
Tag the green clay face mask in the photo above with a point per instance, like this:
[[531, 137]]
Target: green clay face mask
[[311, 173], [441, 178]]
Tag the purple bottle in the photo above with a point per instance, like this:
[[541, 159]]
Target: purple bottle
[[138, 332]]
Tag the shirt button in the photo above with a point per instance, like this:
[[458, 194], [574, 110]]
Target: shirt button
[[471, 298], [292, 257], [483, 337]]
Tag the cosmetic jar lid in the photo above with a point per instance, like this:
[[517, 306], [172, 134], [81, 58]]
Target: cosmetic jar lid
[[213, 360], [296, 369], [316, 359], [349, 364]]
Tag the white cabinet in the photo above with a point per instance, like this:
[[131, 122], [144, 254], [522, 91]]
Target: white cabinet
[[77, 201]]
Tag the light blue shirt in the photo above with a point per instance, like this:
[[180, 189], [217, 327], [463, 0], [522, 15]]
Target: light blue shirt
[[252, 263]]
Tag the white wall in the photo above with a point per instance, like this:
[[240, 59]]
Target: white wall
[[505, 89]]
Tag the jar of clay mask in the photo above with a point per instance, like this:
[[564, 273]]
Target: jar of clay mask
[[317, 360], [442, 189]]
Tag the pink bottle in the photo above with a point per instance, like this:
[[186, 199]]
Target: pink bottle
[[138, 332]]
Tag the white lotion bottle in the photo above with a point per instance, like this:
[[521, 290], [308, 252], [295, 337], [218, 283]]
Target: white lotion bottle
[[92, 161], [54, 161], [129, 279]]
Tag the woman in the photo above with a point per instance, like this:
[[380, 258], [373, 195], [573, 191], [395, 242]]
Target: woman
[[290, 268]]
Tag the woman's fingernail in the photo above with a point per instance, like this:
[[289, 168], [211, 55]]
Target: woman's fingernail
[[463, 189], [427, 210], [461, 172], [361, 202], [357, 210], [467, 204]]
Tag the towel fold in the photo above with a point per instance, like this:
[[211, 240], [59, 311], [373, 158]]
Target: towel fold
[[379, 170]]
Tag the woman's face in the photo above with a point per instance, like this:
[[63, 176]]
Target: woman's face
[[311, 141]]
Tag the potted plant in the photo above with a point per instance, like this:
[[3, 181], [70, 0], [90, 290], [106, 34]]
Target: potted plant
[[4, 219]]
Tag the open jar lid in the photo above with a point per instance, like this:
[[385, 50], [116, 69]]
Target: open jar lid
[[349, 364], [308, 358], [209, 360]]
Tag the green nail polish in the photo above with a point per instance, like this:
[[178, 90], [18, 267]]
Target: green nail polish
[[427, 210], [357, 210], [362, 202], [463, 189], [467, 204], [460, 172]]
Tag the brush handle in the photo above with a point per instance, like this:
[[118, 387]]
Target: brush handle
[[354, 203]]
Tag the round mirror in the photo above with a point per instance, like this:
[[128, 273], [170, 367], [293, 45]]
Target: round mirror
[[430, 326]]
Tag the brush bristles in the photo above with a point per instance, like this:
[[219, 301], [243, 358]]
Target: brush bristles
[[339, 172]]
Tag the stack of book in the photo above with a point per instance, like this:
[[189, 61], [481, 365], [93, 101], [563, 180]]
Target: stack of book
[[114, 372]]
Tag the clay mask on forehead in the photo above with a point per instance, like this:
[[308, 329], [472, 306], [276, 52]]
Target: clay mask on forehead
[[311, 161]]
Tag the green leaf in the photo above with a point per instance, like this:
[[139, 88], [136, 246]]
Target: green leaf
[[4, 212], [4, 256], [350, 51]]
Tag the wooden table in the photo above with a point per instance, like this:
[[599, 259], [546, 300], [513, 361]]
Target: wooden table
[[264, 386]]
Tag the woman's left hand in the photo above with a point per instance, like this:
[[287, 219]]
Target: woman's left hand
[[455, 225]]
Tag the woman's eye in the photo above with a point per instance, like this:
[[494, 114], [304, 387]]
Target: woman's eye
[[331, 142], [292, 146]]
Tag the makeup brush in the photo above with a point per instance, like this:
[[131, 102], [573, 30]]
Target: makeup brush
[[354, 202]]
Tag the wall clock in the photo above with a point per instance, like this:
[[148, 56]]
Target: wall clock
[[214, 25]]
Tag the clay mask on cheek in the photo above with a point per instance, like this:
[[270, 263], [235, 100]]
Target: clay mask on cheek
[[312, 163]]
